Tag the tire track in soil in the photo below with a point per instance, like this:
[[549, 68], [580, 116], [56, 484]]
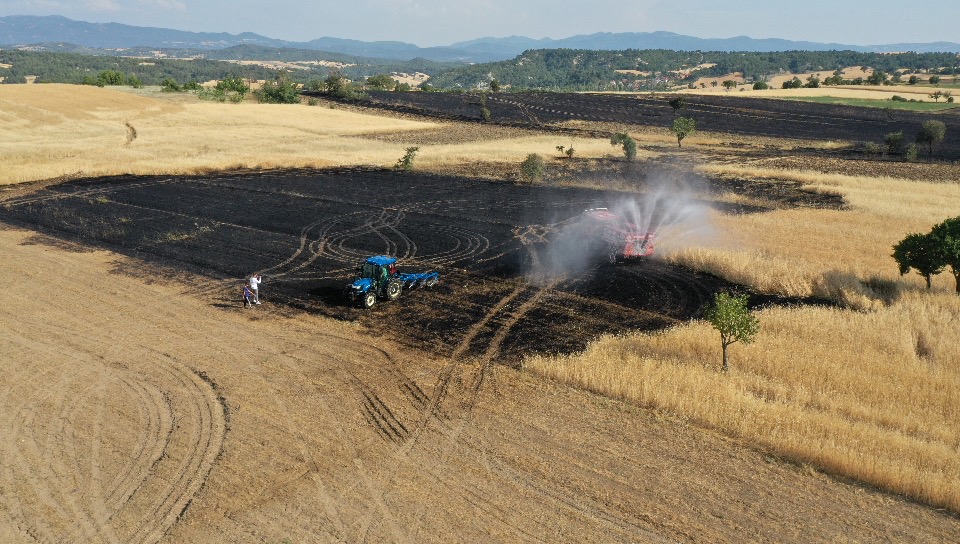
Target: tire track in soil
[[53, 479], [343, 358]]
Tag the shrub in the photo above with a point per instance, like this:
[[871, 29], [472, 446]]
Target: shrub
[[683, 127], [406, 161], [894, 141], [932, 133], [911, 153], [733, 320], [532, 168], [761, 86], [898, 98], [279, 91], [872, 148], [169, 85], [628, 143]]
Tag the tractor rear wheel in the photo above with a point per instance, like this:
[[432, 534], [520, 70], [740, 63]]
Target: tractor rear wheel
[[369, 299], [393, 290]]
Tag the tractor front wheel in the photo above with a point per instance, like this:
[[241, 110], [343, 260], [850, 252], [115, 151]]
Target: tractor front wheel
[[393, 290], [369, 299]]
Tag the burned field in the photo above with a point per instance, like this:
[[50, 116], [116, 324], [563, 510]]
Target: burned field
[[731, 115], [306, 231]]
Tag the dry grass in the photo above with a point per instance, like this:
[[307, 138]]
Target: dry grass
[[832, 254], [870, 391], [54, 131], [874, 396]]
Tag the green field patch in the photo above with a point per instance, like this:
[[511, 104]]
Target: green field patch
[[873, 103]]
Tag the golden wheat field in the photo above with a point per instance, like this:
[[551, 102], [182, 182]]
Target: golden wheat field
[[870, 389], [54, 131], [867, 388]]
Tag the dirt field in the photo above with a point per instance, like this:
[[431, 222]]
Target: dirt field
[[141, 410]]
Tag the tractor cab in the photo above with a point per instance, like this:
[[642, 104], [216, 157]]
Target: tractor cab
[[376, 278], [378, 268]]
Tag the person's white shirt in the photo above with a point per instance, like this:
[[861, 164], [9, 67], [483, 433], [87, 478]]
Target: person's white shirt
[[254, 283]]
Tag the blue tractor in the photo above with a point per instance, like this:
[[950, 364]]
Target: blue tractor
[[378, 278]]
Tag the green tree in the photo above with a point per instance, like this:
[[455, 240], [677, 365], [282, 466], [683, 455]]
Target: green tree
[[532, 168], [878, 77], [406, 161], [920, 252], [729, 84], [234, 84], [947, 235], [494, 86], [134, 82], [381, 82], [111, 77], [794, 83], [731, 317], [894, 141], [169, 85], [761, 85], [934, 80], [913, 80], [683, 127], [279, 91], [910, 155], [936, 95], [628, 143], [931, 133], [678, 103], [335, 83]]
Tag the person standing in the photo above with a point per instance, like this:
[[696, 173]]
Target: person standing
[[255, 282], [247, 296]]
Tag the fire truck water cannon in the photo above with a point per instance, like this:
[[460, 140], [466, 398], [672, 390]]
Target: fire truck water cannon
[[612, 234]]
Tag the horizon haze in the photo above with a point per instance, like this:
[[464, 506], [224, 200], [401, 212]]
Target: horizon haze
[[429, 23]]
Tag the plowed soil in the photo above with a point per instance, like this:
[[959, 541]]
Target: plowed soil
[[141, 403]]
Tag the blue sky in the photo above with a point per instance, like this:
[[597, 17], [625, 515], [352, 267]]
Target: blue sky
[[442, 22]]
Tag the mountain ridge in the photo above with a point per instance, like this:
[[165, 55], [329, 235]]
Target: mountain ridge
[[27, 30]]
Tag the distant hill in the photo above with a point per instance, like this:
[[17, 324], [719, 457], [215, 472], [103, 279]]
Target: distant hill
[[22, 30]]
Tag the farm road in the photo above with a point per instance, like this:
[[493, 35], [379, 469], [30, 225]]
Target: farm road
[[135, 411]]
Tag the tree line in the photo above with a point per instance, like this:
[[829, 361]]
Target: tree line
[[578, 69], [80, 68]]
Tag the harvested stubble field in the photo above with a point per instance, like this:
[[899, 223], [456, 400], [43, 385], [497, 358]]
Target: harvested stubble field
[[145, 405]]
